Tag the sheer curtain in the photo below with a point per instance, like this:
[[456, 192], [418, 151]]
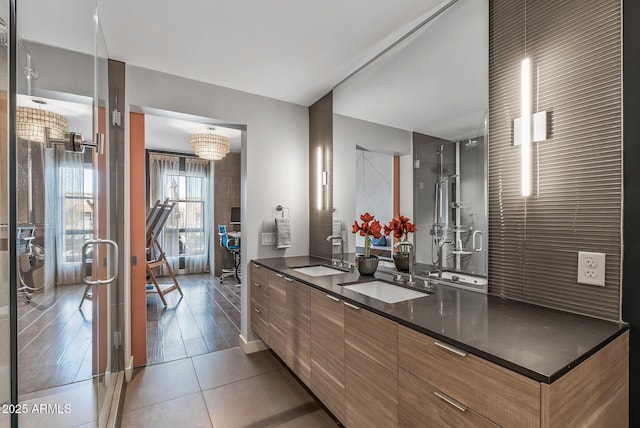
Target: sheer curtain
[[69, 205], [164, 182], [197, 214]]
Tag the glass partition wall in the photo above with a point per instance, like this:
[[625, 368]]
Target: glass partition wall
[[58, 231]]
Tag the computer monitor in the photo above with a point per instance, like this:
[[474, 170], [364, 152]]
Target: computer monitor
[[235, 215]]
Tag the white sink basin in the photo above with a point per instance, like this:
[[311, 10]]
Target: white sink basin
[[384, 291], [318, 270]]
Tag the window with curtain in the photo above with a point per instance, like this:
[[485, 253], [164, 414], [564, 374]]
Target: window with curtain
[[69, 210], [186, 235]]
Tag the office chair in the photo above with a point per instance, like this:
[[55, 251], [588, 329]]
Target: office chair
[[234, 249]]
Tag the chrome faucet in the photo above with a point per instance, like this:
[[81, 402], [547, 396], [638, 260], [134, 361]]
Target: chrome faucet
[[338, 238], [408, 244]]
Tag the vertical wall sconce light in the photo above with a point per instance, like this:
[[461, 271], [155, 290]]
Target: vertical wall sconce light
[[528, 128], [321, 178], [525, 116]]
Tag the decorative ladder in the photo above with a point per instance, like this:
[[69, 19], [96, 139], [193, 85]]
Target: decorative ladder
[[156, 219]]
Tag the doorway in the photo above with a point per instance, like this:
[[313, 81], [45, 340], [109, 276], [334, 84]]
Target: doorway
[[205, 315]]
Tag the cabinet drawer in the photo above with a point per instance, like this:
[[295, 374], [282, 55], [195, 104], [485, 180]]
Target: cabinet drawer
[[259, 294], [371, 361], [507, 398], [260, 321], [259, 274], [422, 405], [327, 352], [278, 332], [298, 330]]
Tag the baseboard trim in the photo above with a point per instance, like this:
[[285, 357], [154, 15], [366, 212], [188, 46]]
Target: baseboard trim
[[117, 403], [128, 371], [251, 347]]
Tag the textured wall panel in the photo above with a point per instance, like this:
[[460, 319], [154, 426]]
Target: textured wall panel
[[575, 46], [321, 136]]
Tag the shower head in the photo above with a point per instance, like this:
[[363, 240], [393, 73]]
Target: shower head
[[470, 144]]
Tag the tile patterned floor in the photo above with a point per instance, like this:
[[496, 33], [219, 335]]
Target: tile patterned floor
[[223, 389]]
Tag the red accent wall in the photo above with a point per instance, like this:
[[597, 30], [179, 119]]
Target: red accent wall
[[138, 239]]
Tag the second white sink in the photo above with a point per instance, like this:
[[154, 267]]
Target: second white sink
[[318, 270], [384, 291]]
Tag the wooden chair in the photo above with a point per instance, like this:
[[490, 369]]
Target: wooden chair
[[156, 258]]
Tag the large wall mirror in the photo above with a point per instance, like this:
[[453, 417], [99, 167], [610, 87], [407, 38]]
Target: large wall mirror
[[423, 102]]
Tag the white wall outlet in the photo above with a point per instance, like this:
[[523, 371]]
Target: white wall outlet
[[591, 268], [268, 238]]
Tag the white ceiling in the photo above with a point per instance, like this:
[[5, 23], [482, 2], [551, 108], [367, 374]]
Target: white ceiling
[[295, 51]]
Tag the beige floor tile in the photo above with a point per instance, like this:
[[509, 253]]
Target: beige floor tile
[[230, 365], [265, 400], [317, 419], [159, 383], [185, 412], [62, 407]]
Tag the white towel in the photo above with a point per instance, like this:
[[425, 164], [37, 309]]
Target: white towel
[[283, 233]]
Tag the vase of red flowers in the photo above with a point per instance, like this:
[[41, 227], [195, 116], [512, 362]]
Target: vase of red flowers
[[401, 227], [369, 228]]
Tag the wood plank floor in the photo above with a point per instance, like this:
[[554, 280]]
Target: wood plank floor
[[54, 336], [54, 339], [206, 319]]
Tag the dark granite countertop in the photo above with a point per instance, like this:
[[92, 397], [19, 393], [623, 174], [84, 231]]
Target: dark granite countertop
[[540, 343]]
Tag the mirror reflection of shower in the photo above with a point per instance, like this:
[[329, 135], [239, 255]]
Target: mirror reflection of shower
[[450, 204]]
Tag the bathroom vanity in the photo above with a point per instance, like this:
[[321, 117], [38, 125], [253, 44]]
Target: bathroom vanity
[[438, 357]]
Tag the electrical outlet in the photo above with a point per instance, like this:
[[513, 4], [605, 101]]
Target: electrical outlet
[[591, 267]]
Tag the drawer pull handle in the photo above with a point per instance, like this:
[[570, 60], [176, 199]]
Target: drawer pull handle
[[450, 348], [288, 279], [256, 266], [335, 299], [451, 401], [257, 310], [352, 306], [279, 275], [256, 284]]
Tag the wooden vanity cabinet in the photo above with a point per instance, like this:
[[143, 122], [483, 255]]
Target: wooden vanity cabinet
[[259, 299], [422, 405], [498, 394], [371, 356], [298, 329], [278, 315], [327, 352]]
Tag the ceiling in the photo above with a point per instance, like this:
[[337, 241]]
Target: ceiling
[[291, 50]]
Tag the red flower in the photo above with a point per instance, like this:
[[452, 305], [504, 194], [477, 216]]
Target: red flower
[[400, 227], [368, 226]]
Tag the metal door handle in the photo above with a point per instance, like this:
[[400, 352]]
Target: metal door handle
[[451, 401], [114, 247], [450, 348]]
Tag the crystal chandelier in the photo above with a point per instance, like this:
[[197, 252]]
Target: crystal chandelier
[[210, 146], [31, 123]]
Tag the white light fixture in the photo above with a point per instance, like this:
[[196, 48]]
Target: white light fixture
[[31, 123], [320, 172], [210, 146], [525, 128]]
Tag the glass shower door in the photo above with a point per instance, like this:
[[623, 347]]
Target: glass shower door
[[66, 303]]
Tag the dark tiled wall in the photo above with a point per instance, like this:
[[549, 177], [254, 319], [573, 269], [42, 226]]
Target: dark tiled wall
[[577, 173], [321, 136], [631, 273]]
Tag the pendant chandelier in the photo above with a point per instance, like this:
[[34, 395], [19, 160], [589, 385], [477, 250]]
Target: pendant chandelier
[[31, 123], [210, 146]]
